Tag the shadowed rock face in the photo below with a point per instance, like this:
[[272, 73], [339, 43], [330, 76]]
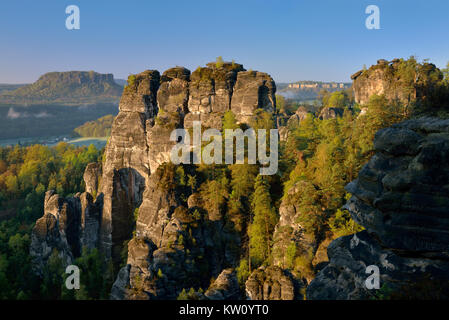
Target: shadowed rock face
[[174, 248], [127, 166], [401, 197], [68, 224]]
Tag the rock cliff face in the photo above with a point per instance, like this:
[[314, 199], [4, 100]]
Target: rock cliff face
[[401, 197], [127, 164], [150, 108], [391, 78], [68, 225]]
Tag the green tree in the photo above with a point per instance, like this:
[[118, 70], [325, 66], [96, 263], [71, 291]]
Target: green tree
[[261, 229]]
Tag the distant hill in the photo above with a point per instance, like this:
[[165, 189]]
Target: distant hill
[[309, 90], [68, 88], [121, 82], [97, 128], [10, 87]]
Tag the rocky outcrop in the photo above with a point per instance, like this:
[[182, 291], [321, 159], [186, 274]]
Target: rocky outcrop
[[175, 247], [330, 113], [225, 287], [401, 197], [92, 177], [271, 283], [126, 165], [395, 80], [67, 226], [289, 233], [300, 114], [253, 90], [150, 108], [211, 90]]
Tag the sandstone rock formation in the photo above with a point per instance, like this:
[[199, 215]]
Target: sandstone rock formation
[[271, 283], [68, 225], [390, 79], [150, 108], [300, 114], [225, 287], [92, 177], [289, 232], [330, 113], [253, 90], [174, 247], [401, 197]]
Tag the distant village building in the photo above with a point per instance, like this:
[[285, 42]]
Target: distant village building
[[318, 85]]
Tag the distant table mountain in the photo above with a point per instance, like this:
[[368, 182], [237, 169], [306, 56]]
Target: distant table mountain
[[72, 87]]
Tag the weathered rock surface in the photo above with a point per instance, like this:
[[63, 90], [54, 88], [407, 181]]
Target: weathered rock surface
[[225, 287], [211, 90], [150, 108], [401, 197], [289, 232], [271, 283], [92, 177], [253, 90], [387, 78], [300, 114], [127, 165], [175, 248], [68, 225], [330, 113]]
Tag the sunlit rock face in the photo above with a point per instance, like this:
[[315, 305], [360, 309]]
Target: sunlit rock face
[[151, 107], [401, 197]]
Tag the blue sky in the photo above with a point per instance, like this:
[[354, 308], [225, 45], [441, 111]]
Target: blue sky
[[289, 39]]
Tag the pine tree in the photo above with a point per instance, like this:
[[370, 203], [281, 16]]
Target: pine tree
[[264, 220]]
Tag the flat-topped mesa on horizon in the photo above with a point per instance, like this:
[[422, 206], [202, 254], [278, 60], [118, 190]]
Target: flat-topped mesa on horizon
[[71, 87], [152, 105]]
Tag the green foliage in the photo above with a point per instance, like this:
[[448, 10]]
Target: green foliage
[[97, 128], [337, 99], [219, 62], [264, 220], [25, 174], [242, 272], [96, 276], [229, 121], [342, 224]]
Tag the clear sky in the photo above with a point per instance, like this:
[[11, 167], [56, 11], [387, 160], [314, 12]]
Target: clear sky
[[289, 39]]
